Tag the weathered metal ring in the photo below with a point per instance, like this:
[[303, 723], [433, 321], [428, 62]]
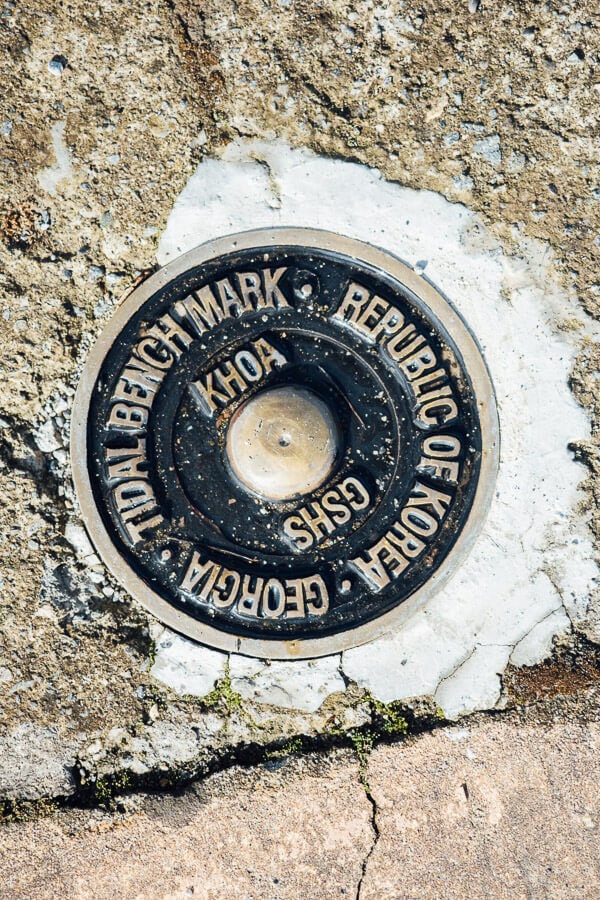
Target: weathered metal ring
[[244, 559]]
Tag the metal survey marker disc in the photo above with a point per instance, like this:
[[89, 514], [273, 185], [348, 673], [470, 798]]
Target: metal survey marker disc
[[283, 442]]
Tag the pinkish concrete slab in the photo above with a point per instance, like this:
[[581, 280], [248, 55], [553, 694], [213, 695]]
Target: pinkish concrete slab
[[299, 831], [493, 811]]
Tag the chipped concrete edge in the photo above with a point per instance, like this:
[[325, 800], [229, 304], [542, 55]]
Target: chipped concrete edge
[[566, 685]]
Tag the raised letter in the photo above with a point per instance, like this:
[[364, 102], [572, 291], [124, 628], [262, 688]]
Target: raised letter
[[273, 294], [123, 416], [421, 495], [207, 395], [350, 307], [268, 355], [317, 597]]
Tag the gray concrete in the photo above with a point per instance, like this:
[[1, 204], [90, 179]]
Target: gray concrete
[[484, 121], [495, 810]]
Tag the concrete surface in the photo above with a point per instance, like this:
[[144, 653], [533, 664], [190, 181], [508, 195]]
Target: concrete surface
[[488, 811], [497, 809], [106, 113], [454, 648]]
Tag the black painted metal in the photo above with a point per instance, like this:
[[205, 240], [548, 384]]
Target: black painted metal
[[207, 510]]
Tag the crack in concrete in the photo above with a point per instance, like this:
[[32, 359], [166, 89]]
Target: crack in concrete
[[97, 789], [345, 678], [510, 646], [552, 612], [465, 659], [93, 790], [547, 571], [376, 836], [274, 184]]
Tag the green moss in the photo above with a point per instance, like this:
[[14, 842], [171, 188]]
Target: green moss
[[106, 789], [223, 695], [388, 717], [26, 810], [294, 745], [152, 653], [387, 720], [363, 742], [155, 695]]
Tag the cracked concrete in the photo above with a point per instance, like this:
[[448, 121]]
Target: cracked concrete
[[213, 843], [113, 110], [466, 832], [444, 815], [371, 850], [453, 649]]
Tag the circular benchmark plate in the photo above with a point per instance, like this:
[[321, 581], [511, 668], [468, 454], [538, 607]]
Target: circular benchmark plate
[[283, 441]]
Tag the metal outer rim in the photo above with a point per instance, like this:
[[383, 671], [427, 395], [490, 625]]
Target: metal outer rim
[[475, 367]]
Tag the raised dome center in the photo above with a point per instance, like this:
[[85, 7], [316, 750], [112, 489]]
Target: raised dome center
[[283, 442]]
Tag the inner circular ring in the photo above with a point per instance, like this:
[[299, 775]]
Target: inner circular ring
[[283, 442]]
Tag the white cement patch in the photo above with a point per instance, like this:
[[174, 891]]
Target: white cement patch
[[185, 666], [532, 565], [476, 683], [300, 685]]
